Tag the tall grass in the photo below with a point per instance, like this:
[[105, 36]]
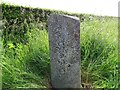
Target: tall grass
[[99, 52], [28, 66]]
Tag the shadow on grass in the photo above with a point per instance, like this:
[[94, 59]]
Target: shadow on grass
[[38, 62]]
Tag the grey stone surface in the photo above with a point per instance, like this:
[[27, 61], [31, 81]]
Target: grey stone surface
[[64, 42]]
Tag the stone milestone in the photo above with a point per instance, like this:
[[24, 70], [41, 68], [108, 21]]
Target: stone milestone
[[64, 42]]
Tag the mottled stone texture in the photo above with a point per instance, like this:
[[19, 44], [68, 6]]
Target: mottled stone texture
[[64, 40]]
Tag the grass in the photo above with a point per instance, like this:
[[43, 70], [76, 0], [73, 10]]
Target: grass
[[99, 52], [28, 66], [0, 61]]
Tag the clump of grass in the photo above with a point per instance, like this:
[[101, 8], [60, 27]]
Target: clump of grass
[[99, 52], [38, 59], [25, 65]]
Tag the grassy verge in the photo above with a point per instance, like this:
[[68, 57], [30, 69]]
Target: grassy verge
[[29, 65]]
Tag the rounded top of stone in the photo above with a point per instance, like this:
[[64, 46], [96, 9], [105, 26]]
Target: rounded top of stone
[[67, 16]]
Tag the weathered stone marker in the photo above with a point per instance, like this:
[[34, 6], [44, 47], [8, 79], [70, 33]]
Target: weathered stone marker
[[64, 40]]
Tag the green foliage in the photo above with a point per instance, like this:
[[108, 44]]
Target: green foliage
[[18, 21]]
